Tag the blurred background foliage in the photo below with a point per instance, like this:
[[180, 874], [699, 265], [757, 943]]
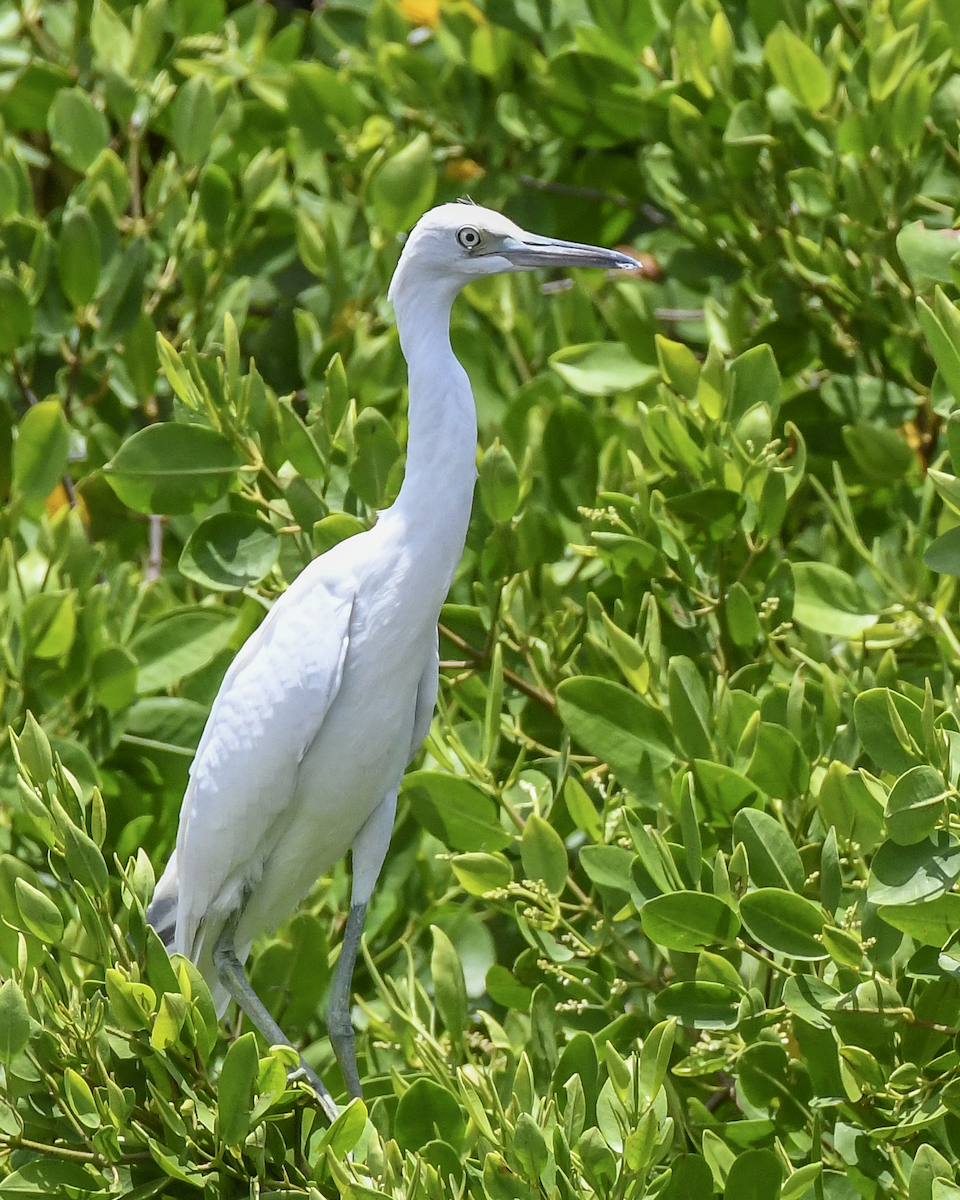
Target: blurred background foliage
[[670, 908]]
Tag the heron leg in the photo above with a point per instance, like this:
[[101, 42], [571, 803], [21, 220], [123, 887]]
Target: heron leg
[[369, 851], [233, 977]]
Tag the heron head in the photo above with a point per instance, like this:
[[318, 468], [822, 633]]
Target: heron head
[[458, 243]]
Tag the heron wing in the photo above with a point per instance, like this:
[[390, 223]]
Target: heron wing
[[271, 704], [426, 698]]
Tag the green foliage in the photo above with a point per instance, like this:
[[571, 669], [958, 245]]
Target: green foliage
[[672, 904]]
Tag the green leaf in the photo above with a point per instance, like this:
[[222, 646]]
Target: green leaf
[[770, 1080], [14, 1021], [235, 1090], [504, 989], [500, 1183], [722, 790], [915, 805], [798, 68], [700, 1005], [678, 366], [807, 996], [377, 450], [880, 453], [49, 624], [173, 468], [890, 61], [85, 860], [754, 379], [930, 923], [689, 707], [78, 257], [169, 1022], [299, 445], [607, 866], [616, 725], [499, 483], [829, 601], [946, 353], [600, 368], [449, 988], [927, 253], [943, 553], [784, 922], [42, 448], [403, 188], [455, 811], [916, 873], [38, 912], [179, 643], [655, 1058], [480, 873], [78, 129], [80, 1098], [530, 1147], [122, 302], [229, 551], [33, 747], [193, 115], [113, 678], [426, 1112], [741, 616], [336, 528], [132, 1004], [774, 860], [16, 314], [755, 1175], [879, 734], [687, 921], [778, 765], [543, 854]]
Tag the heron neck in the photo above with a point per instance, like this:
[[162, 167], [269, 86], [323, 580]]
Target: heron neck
[[437, 492]]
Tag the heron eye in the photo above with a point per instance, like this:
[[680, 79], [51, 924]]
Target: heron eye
[[468, 237]]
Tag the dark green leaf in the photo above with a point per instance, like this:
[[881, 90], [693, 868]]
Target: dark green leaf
[[229, 551], [402, 190], [688, 920], [616, 725], [78, 129], [449, 989], [377, 450], [173, 468], [880, 735], [38, 913], [455, 811], [700, 1005], [235, 1091], [915, 805], [179, 643], [543, 854], [774, 860], [14, 1021], [784, 922], [193, 115], [427, 1111], [830, 602], [78, 256], [41, 449]]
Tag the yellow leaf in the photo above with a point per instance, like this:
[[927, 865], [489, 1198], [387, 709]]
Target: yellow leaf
[[421, 12]]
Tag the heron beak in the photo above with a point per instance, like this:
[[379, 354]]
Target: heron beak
[[532, 251]]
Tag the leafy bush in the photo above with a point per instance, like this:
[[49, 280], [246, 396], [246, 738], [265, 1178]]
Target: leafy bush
[[671, 906]]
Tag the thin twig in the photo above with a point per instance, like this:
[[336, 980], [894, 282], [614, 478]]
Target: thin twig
[[481, 659]]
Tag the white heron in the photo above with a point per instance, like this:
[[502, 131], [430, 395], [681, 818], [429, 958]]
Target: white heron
[[326, 703]]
